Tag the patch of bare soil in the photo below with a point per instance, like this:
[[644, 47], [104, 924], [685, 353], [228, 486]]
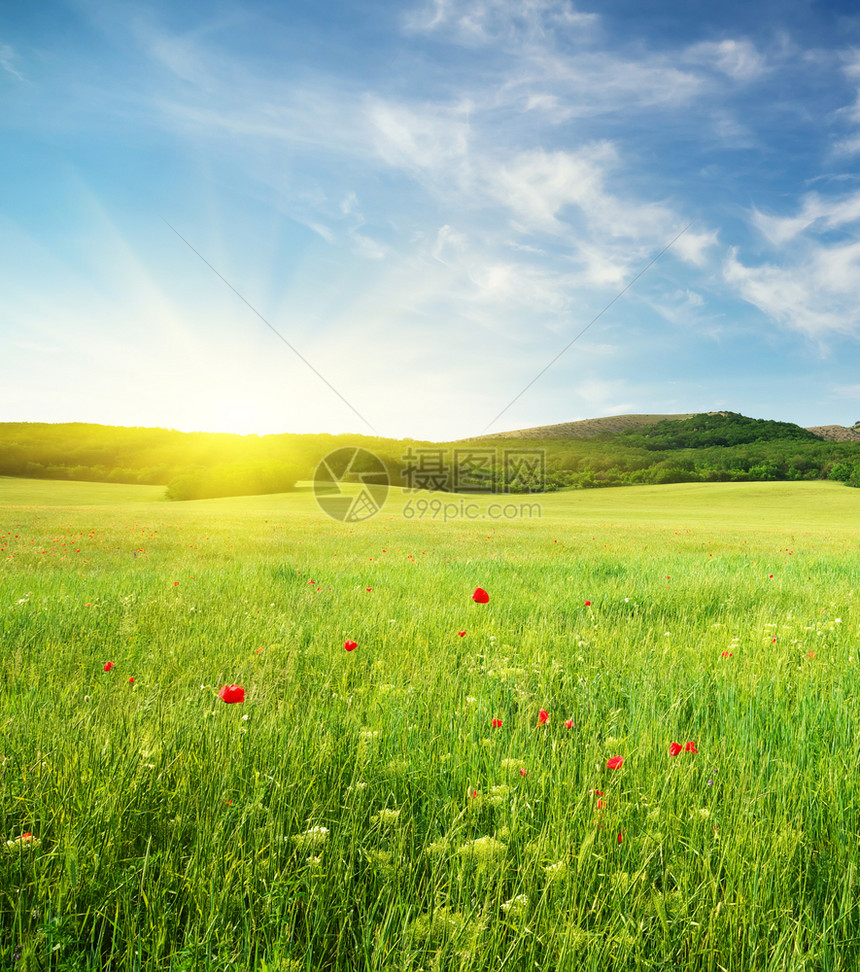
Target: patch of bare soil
[[836, 433]]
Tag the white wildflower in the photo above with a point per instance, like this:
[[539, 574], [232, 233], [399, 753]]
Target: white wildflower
[[482, 850], [516, 906], [387, 816], [438, 848], [498, 794], [311, 839], [555, 872], [27, 841]]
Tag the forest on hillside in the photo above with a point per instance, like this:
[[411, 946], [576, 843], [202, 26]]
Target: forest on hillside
[[725, 447]]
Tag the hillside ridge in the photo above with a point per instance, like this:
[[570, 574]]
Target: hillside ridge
[[837, 433], [610, 424], [588, 428]]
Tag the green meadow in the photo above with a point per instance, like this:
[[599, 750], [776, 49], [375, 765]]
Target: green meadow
[[360, 810]]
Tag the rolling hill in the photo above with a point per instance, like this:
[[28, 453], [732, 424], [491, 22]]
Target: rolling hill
[[616, 450], [613, 424]]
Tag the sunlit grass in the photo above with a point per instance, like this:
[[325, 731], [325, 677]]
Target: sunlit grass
[[359, 810]]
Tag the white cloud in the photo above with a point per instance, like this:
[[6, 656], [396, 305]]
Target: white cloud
[[851, 65], [847, 146], [448, 238], [536, 185], [367, 247], [730, 131], [738, 59], [692, 247], [482, 278], [848, 392], [564, 194], [686, 308], [321, 230], [816, 212], [817, 293], [590, 83], [7, 62], [508, 22], [422, 139]]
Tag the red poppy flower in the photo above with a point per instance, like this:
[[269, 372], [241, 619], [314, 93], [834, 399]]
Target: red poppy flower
[[108, 666], [569, 724], [232, 693], [461, 633], [480, 596], [675, 748], [368, 589], [728, 654], [621, 837], [523, 771], [131, 681], [543, 715], [596, 792], [350, 645], [600, 804], [615, 762], [497, 723], [588, 603], [691, 747]]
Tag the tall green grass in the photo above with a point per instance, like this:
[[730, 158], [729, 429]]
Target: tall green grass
[[359, 810]]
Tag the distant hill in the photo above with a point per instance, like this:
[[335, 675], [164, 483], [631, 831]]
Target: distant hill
[[721, 429], [192, 465], [587, 428], [613, 424], [626, 450]]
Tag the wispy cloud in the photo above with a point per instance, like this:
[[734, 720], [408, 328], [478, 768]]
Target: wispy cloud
[[500, 22], [816, 293], [738, 58], [8, 57], [816, 213]]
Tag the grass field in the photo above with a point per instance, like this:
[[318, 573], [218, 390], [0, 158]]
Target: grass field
[[359, 809]]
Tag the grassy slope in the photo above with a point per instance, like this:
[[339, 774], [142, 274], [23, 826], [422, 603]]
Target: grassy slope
[[771, 505], [170, 826], [15, 491]]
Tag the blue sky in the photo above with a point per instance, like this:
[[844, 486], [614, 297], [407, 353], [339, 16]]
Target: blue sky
[[428, 202]]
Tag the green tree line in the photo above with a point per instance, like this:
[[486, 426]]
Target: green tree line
[[726, 447]]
